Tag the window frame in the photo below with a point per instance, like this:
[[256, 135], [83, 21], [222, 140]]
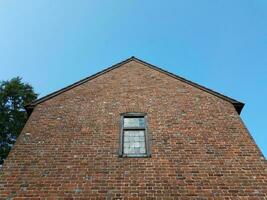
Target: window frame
[[145, 128]]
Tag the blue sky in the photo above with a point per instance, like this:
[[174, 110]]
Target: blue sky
[[219, 44]]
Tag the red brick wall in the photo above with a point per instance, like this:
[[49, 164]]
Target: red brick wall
[[200, 147]]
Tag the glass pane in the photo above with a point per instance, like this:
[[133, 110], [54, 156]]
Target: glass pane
[[134, 122], [134, 142]]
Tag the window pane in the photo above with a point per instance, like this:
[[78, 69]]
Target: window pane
[[134, 142], [134, 122]]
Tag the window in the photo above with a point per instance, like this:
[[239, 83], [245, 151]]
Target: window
[[134, 135]]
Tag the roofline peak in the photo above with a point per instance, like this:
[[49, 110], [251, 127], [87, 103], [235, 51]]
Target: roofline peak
[[237, 104]]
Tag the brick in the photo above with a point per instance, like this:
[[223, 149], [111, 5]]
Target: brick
[[200, 148]]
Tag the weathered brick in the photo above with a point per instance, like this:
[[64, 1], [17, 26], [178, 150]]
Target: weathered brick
[[199, 144]]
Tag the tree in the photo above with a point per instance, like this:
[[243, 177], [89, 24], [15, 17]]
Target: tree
[[14, 94]]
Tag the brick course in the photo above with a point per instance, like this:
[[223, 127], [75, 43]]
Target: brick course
[[200, 148]]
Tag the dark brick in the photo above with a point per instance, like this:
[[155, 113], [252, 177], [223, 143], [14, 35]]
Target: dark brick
[[199, 144]]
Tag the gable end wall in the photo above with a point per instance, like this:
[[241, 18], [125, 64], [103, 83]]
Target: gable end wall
[[199, 145]]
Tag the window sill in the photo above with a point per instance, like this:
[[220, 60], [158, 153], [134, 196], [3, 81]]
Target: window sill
[[134, 156]]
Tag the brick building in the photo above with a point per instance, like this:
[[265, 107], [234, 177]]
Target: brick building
[[134, 131]]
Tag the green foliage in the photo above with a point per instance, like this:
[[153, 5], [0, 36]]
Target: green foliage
[[14, 94]]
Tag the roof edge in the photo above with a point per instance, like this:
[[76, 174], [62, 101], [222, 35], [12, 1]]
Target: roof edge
[[30, 106], [238, 105]]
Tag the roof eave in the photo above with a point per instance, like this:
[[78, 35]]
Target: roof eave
[[238, 107], [29, 108]]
